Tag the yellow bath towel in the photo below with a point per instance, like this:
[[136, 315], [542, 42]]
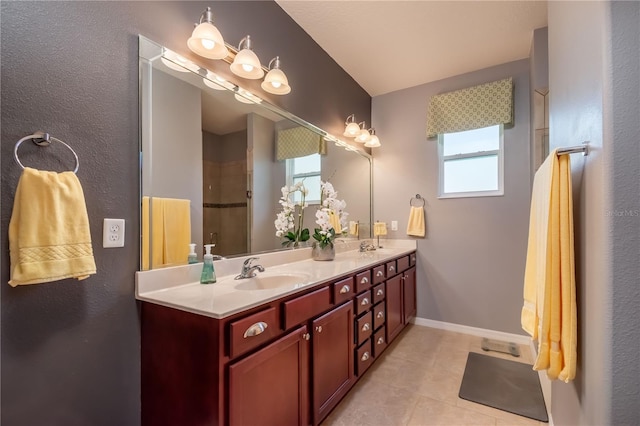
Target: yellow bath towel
[[353, 228], [335, 222], [379, 228], [170, 231], [144, 224], [549, 312], [416, 225], [49, 236]]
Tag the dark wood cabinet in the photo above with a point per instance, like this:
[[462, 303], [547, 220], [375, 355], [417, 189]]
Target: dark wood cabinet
[[395, 318], [332, 359], [271, 386], [409, 294]]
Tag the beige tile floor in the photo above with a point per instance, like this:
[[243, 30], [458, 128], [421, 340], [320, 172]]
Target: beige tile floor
[[416, 383]]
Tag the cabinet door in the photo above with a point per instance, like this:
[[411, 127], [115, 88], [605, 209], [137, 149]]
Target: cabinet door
[[271, 386], [394, 307], [409, 290], [332, 359]]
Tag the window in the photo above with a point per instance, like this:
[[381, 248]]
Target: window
[[305, 169], [471, 163]]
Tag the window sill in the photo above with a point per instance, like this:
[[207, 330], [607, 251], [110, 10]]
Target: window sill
[[471, 194]]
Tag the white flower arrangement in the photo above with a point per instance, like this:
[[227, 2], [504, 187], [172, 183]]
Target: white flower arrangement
[[332, 214], [286, 220]]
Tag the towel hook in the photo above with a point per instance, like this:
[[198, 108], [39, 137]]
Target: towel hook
[[43, 139], [418, 197]]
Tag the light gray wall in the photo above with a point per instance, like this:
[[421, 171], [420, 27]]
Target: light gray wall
[[176, 156], [71, 350], [471, 263], [594, 81]]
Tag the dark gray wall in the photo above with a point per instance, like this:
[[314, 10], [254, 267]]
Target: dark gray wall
[[472, 258], [71, 350]]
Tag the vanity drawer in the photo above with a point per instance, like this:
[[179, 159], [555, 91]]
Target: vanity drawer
[[363, 302], [378, 293], [412, 259], [364, 357], [343, 290], [378, 274], [392, 268], [379, 342], [364, 327], [379, 315], [363, 281], [252, 331], [403, 263], [304, 307]]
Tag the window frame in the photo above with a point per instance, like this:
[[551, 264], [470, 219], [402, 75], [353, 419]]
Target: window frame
[[290, 176], [471, 194]]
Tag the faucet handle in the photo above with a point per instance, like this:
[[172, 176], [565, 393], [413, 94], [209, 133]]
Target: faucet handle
[[247, 262]]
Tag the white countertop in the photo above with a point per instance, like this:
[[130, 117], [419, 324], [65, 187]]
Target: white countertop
[[179, 287]]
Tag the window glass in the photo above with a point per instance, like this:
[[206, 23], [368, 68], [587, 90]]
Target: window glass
[[485, 139], [471, 174], [308, 164]]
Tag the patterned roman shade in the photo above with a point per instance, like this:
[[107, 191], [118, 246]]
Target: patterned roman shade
[[298, 142], [472, 108]]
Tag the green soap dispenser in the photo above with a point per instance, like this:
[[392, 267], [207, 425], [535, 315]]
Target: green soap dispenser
[[193, 257], [208, 275]]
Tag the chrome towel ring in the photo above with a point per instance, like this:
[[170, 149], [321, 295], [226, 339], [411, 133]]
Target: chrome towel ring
[[43, 139], [418, 197]]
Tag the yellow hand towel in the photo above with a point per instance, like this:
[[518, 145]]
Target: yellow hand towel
[[416, 226], [144, 224], [335, 222], [549, 311], [353, 228], [379, 228], [170, 231], [49, 237]]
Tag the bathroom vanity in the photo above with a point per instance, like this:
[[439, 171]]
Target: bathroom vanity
[[257, 353]]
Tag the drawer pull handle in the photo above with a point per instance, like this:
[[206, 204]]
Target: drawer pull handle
[[380, 292], [380, 340], [255, 329], [364, 280], [345, 289], [319, 329], [365, 356], [380, 315], [306, 336], [379, 274], [392, 268], [366, 327], [364, 302]]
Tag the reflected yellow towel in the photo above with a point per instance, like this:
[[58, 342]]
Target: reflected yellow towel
[[334, 220], [549, 312], [379, 228], [144, 224], [416, 226], [49, 237], [353, 228], [170, 231]]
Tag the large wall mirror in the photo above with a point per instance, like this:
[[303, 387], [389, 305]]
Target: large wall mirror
[[208, 156]]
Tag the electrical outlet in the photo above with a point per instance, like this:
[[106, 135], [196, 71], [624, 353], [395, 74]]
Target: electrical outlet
[[113, 233], [394, 225]]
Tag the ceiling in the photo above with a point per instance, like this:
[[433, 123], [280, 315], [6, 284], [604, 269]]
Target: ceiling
[[391, 45]]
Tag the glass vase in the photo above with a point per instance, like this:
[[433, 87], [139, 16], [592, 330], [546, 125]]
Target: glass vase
[[327, 252]]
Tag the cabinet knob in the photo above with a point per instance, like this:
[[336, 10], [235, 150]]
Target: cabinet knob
[[365, 356], [366, 327], [379, 274], [319, 329], [392, 268], [413, 259], [364, 280], [380, 314], [345, 289], [306, 336], [380, 340], [380, 292], [255, 329], [364, 302], [406, 277]]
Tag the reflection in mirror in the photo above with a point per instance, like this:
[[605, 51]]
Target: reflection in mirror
[[214, 160]]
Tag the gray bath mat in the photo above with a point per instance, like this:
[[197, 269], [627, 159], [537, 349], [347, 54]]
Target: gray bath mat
[[506, 385]]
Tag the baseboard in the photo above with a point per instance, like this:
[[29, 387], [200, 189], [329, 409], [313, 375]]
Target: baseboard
[[474, 331]]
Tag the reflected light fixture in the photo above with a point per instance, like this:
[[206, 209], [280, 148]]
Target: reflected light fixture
[[351, 128], [206, 40], [246, 63], [364, 135], [276, 81], [174, 61], [374, 141], [214, 81], [246, 97]]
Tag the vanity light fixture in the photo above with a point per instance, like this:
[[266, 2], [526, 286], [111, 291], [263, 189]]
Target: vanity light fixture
[[206, 40], [351, 128], [246, 63], [276, 81], [374, 141], [364, 135]]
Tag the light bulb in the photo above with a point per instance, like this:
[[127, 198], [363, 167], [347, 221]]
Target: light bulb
[[208, 44], [247, 67], [276, 84]]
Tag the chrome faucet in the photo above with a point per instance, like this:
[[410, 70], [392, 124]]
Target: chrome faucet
[[366, 246], [249, 270]]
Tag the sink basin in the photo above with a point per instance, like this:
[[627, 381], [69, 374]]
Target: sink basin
[[266, 281]]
